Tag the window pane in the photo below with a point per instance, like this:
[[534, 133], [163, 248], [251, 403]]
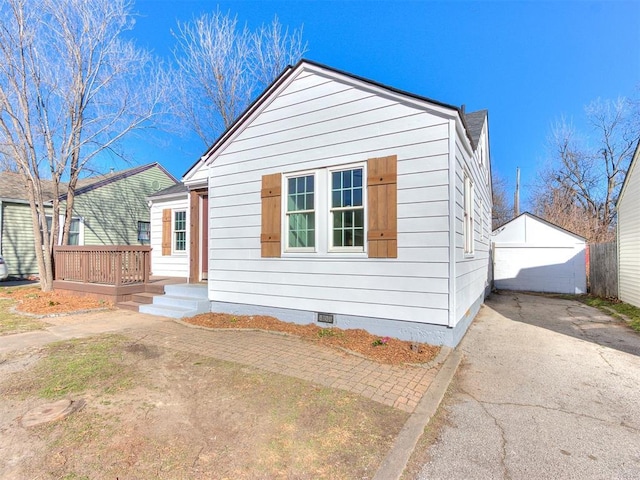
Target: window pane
[[346, 179], [301, 230], [346, 198], [357, 196], [300, 194], [335, 198], [335, 180], [357, 177]]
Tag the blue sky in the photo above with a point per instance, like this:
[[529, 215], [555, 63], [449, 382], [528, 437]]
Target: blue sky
[[528, 63]]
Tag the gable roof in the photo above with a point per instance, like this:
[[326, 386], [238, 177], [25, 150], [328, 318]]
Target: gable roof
[[539, 219], [179, 189], [477, 119], [12, 187], [632, 165], [91, 183], [475, 122]]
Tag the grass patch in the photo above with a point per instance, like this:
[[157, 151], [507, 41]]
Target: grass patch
[[76, 366], [629, 311], [11, 322]]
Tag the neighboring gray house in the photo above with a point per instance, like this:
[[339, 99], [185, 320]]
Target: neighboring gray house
[[628, 209], [531, 254], [333, 197], [109, 209]]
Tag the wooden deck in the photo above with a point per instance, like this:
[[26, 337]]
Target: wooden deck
[[113, 273]]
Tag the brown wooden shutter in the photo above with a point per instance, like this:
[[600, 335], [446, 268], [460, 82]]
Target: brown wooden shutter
[[271, 216], [166, 231], [382, 194]]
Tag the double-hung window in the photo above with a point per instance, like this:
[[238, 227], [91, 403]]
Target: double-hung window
[[180, 231], [347, 209], [301, 217], [468, 214], [75, 230]]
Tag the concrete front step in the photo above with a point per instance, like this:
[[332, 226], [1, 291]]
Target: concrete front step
[[180, 300]]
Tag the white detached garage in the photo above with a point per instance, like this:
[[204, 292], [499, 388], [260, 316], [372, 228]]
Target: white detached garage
[[531, 254]]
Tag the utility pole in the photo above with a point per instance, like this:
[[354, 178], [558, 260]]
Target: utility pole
[[516, 200]]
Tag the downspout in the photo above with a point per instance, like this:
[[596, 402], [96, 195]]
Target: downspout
[[452, 223], [1, 230]]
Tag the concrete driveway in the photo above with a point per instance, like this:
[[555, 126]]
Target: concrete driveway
[[549, 388]]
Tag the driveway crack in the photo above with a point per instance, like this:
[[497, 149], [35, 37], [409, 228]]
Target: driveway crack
[[560, 410], [503, 453]]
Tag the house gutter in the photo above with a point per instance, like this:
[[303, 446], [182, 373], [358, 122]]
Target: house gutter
[[1, 226]]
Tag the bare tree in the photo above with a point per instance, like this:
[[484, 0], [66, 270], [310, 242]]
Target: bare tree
[[502, 208], [579, 189], [221, 66], [70, 89]]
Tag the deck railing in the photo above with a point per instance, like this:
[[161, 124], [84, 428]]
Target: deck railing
[[116, 265]]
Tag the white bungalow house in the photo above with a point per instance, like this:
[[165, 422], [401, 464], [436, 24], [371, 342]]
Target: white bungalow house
[[339, 201], [628, 208]]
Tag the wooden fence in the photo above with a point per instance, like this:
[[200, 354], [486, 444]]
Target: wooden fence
[[106, 265], [603, 269]]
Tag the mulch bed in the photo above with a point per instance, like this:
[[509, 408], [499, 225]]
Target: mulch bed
[[381, 349], [34, 301]]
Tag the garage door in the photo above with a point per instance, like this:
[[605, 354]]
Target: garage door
[[539, 269]]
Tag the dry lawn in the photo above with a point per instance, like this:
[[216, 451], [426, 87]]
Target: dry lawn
[[156, 413]]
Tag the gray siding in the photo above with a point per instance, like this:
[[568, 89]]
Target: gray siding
[[317, 122], [629, 237]]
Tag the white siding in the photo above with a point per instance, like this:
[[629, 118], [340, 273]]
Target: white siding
[[316, 123], [471, 270], [629, 236], [175, 265]]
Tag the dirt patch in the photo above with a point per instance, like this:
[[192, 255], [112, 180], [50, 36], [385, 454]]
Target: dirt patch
[[180, 415]]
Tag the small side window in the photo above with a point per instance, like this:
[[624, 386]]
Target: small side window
[[180, 231], [144, 232]]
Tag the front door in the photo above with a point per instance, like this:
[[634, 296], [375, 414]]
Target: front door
[[199, 243]]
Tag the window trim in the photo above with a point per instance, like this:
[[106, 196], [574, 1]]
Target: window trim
[[174, 239], [365, 211], [49, 219], [468, 215], [285, 213]]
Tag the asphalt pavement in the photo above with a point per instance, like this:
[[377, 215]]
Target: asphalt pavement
[[548, 389]]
